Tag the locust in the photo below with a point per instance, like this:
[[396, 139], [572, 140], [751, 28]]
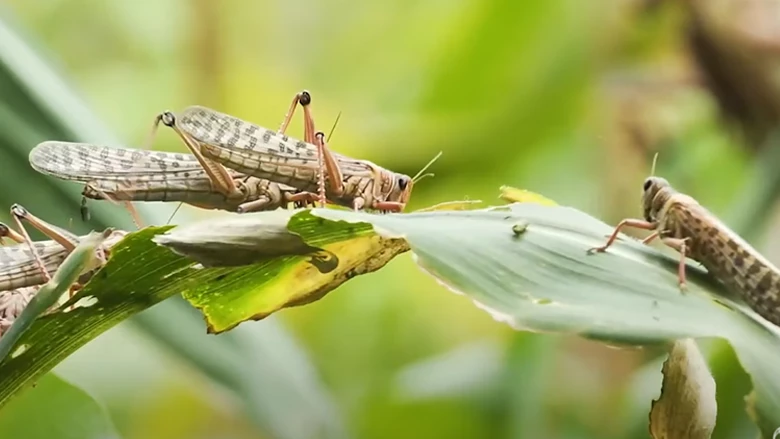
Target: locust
[[18, 262], [127, 174], [30, 263], [12, 302], [681, 223], [222, 141], [26, 267]]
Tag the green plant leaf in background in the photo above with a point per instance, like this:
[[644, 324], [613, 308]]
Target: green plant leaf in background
[[540, 278], [36, 104], [56, 409]]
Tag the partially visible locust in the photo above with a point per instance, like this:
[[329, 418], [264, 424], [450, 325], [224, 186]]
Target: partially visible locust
[[19, 261], [25, 267], [220, 139], [126, 174], [18, 265], [12, 302], [684, 225], [30, 263]]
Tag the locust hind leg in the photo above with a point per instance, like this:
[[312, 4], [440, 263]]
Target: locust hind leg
[[326, 160], [220, 177], [20, 215], [13, 235], [303, 99]]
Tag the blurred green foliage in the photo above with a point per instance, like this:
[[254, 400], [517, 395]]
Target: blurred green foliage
[[567, 100]]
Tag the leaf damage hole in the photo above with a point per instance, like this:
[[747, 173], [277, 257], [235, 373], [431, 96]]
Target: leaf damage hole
[[175, 272], [20, 350], [84, 302]]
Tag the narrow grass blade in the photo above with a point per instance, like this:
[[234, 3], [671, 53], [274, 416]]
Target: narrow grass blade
[[81, 259]]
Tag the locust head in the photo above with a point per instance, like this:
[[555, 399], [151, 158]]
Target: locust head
[[655, 192], [401, 185], [400, 189]]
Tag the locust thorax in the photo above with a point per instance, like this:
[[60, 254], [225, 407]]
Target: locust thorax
[[656, 192]]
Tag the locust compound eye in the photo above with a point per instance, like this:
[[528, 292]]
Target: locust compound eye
[[304, 98], [167, 118], [648, 183], [402, 183]]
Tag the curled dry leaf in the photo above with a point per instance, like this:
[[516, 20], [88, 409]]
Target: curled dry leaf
[[687, 408]]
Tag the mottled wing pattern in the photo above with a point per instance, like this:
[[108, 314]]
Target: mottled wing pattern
[[87, 162], [248, 141], [229, 132], [18, 267], [141, 175], [729, 258], [129, 174]]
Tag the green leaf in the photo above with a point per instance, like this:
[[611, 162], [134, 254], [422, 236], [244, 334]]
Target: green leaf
[[313, 258], [56, 409], [528, 266], [543, 280], [473, 369]]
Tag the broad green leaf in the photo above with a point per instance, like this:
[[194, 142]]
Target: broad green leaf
[[543, 280], [56, 409], [528, 266]]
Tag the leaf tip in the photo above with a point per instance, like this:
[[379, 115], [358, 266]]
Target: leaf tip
[[515, 195]]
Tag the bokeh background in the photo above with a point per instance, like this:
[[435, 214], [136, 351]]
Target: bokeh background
[[567, 98]]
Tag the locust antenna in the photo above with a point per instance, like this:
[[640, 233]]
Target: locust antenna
[[652, 169], [175, 211], [420, 175], [336, 122]]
